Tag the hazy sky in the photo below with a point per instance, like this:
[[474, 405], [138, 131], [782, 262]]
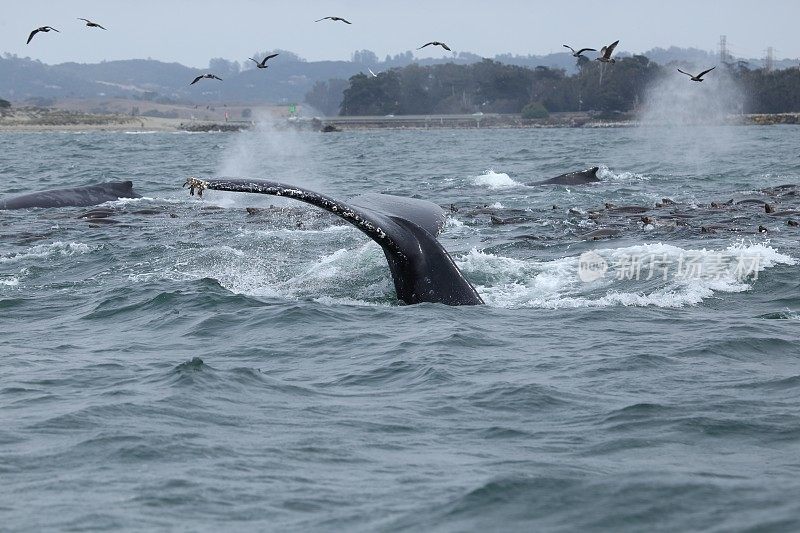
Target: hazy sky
[[193, 31]]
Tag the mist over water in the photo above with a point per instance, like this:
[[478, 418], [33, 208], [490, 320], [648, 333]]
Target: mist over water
[[685, 120], [271, 151], [675, 100]]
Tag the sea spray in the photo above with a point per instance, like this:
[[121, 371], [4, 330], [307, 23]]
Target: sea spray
[[496, 180], [273, 149], [684, 121]]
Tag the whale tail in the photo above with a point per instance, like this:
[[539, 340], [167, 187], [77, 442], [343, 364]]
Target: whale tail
[[405, 228]]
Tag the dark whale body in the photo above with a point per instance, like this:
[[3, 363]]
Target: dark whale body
[[406, 229], [573, 178], [72, 196]]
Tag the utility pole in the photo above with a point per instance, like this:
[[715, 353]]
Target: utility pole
[[723, 49]]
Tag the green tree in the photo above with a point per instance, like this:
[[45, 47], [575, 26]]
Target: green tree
[[535, 110]]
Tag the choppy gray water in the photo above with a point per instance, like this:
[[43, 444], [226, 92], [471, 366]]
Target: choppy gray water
[[202, 368]]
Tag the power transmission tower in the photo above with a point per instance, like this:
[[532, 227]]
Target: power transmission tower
[[769, 62], [723, 49]]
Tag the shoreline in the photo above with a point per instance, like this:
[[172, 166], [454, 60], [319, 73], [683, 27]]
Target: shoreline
[[121, 123]]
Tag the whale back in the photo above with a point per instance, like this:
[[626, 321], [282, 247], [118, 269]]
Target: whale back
[[572, 178], [72, 196]]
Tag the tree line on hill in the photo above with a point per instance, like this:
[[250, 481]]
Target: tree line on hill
[[493, 87], [451, 83]]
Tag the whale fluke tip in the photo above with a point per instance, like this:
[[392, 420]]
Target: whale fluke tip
[[195, 183]]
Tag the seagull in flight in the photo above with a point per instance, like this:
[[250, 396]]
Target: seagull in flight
[[334, 19], [435, 43], [263, 63], [91, 24], [579, 52], [37, 30], [699, 77], [206, 76], [605, 53], [373, 74]]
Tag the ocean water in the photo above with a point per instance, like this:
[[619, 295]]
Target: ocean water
[[198, 367]]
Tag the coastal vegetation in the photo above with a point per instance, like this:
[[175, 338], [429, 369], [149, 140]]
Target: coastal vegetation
[[493, 87], [398, 85]]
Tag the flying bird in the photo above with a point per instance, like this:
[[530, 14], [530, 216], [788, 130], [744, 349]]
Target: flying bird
[[605, 53], [207, 76], [699, 77], [579, 52], [37, 30], [91, 24], [373, 74], [334, 19], [263, 63], [435, 43]]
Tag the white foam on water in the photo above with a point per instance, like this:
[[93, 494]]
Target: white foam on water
[[606, 174], [293, 232], [496, 180], [10, 282], [666, 276], [355, 276], [44, 251], [452, 222], [125, 201]]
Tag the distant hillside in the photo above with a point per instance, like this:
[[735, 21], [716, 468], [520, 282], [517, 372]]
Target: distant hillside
[[288, 79]]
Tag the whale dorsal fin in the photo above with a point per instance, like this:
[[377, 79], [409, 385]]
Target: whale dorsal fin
[[405, 228]]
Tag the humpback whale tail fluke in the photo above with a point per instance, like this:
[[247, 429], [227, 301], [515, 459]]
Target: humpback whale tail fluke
[[405, 228]]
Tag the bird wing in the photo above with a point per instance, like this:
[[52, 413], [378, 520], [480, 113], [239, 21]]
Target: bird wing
[[99, 26], [706, 72], [270, 57], [610, 47], [682, 72], [216, 77], [343, 20], [85, 20], [34, 32], [251, 59], [568, 46], [582, 50], [445, 47], [198, 78], [323, 18], [420, 48]]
